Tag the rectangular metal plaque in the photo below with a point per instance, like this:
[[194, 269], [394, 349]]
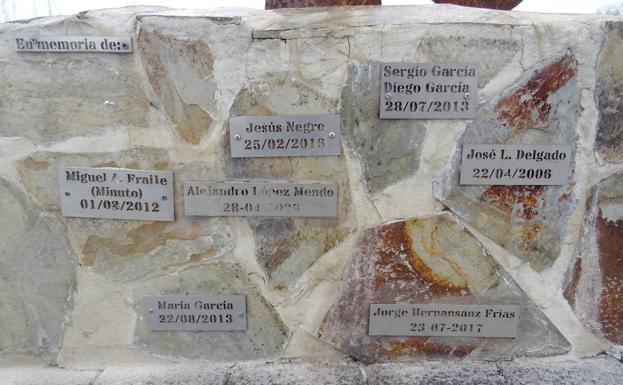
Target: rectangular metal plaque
[[216, 312], [74, 44], [504, 164], [257, 198], [295, 135], [444, 320], [429, 90], [116, 193]]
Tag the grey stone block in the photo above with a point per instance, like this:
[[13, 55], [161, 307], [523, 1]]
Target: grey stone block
[[435, 373], [594, 371], [27, 375], [598, 371], [165, 375], [296, 373]]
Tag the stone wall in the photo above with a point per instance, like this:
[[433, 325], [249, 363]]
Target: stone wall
[[71, 288]]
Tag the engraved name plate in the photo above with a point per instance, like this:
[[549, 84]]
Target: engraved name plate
[[428, 90], [257, 198], [116, 193], [216, 312], [296, 135], [74, 44], [528, 164], [444, 320]]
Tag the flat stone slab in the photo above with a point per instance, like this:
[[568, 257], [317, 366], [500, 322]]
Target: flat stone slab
[[389, 149], [264, 336], [542, 107], [37, 276], [594, 284], [122, 250], [609, 139], [286, 247], [430, 260]]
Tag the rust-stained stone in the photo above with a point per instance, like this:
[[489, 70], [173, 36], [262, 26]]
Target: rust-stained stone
[[529, 106], [180, 72], [609, 139], [529, 221], [594, 286], [492, 4], [286, 247], [430, 260], [276, 4]]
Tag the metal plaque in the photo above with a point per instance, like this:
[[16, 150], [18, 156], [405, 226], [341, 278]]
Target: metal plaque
[[257, 198], [74, 44], [295, 135], [504, 164], [116, 193], [215, 312], [444, 320], [429, 90]]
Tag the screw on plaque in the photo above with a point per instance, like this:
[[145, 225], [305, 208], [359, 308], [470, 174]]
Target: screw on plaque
[[331, 134], [467, 95], [164, 198], [67, 194], [388, 96], [237, 137]]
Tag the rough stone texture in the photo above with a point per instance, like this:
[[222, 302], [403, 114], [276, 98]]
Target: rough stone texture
[[286, 247], [434, 373], [529, 221], [297, 373], [265, 335], [594, 371], [594, 285], [431, 260], [389, 149], [609, 139], [155, 375], [37, 277], [591, 371]]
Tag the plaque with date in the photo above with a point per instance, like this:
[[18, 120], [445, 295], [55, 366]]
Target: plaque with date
[[259, 198], [214, 312], [295, 135], [517, 164], [429, 90], [116, 193], [444, 320]]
